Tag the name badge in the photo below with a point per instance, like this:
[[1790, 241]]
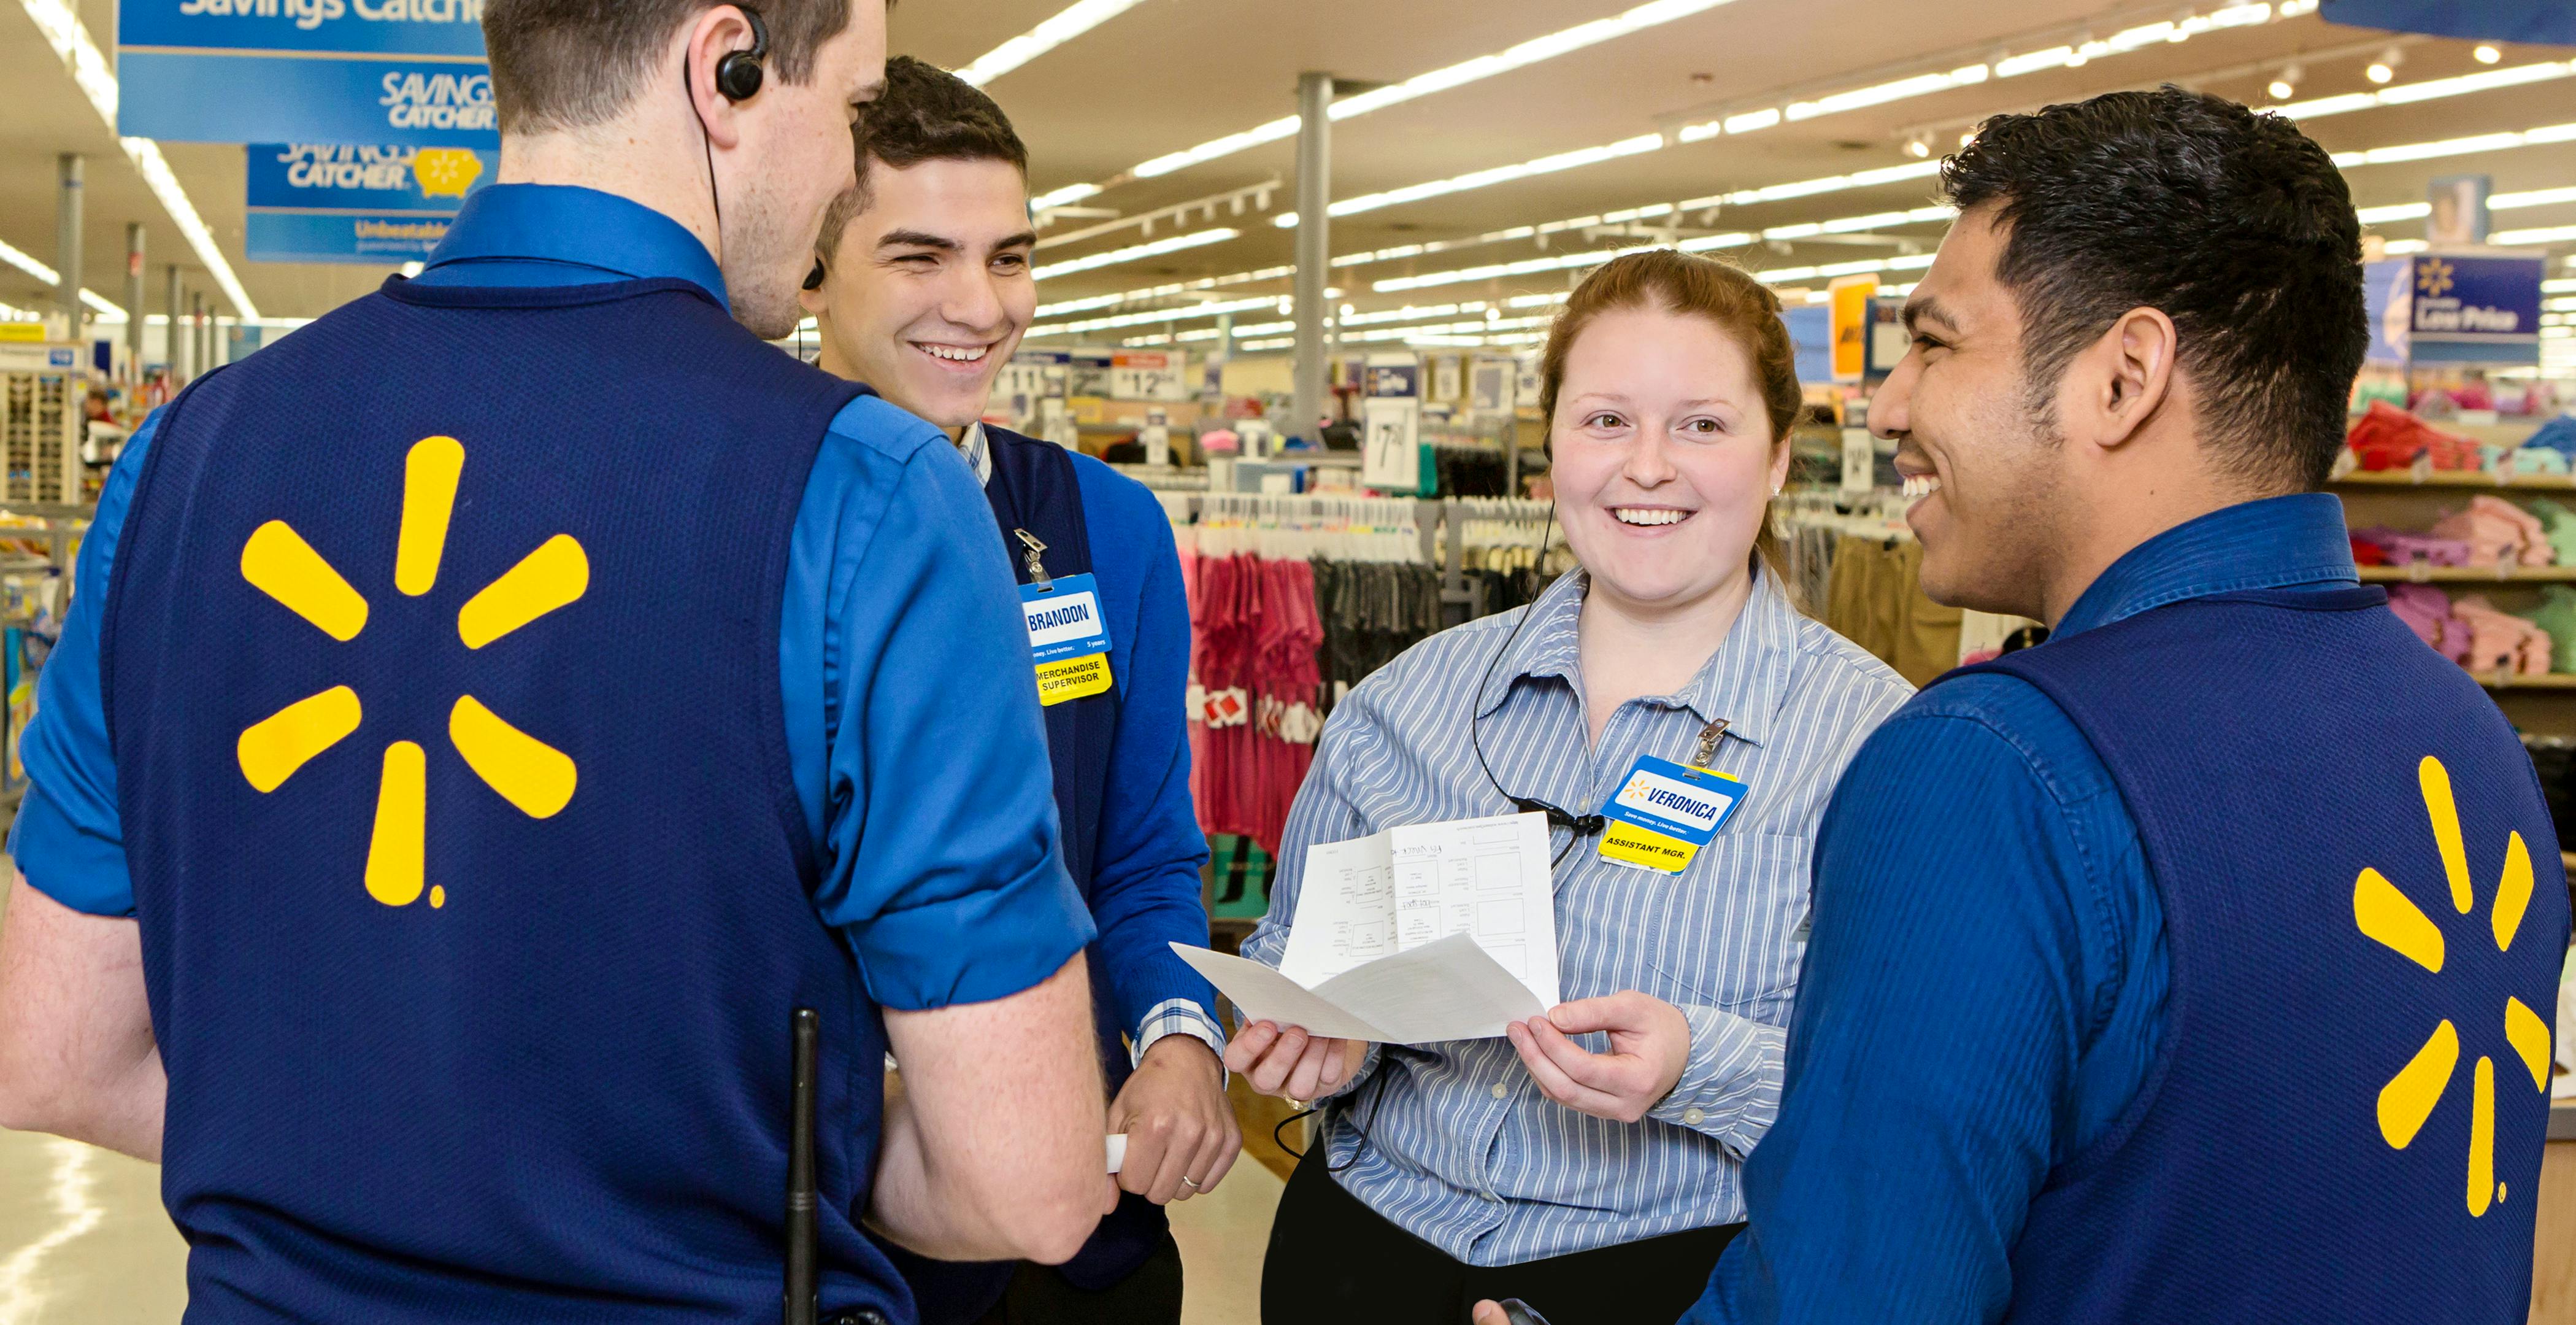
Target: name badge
[[1070, 637], [1664, 812]]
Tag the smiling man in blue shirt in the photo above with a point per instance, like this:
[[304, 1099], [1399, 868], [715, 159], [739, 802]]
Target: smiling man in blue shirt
[[490, 712], [2156, 975], [923, 289]]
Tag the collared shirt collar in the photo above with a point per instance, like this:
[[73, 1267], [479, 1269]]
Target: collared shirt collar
[[577, 228], [978, 450], [2275, 543], [1743, 682]]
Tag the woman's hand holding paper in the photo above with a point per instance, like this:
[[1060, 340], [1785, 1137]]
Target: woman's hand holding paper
[[1649, 1045], [1289, 1063]]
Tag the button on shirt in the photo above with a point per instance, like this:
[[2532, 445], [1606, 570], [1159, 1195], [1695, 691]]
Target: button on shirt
[[1462, 1150], [899, 639], [1986, 989]]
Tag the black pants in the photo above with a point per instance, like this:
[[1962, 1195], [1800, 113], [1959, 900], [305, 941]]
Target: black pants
[[1334, 1261], [1150, 1296]]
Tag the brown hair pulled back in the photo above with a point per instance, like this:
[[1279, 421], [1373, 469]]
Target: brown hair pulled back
[[1670, 281]]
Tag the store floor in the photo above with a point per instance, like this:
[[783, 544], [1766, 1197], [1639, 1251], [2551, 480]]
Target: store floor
[[84, 1240]]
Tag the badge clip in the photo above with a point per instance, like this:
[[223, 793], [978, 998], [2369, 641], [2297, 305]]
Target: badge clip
[[1709, 737], [1037, 569]]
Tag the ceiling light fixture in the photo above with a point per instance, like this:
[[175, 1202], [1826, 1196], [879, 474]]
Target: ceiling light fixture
[[1066, 25], [63, 31], [2384, 68], [2285, 84], [1918, 147], [1133, 253], [2486, 53]]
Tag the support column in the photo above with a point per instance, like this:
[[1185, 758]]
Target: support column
[[171, 326], [67, 245], [200, 354], [134, 301], [1314, 246]]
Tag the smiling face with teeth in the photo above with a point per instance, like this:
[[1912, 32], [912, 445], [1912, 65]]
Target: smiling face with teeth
[[928, 291], [1665, 461]]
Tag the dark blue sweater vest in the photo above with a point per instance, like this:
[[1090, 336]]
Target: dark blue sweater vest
[[1036, 488], [473, 974], [2367, 914]]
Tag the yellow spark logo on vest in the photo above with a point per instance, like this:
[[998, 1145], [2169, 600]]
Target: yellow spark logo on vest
[[526, 771], [2393, 920]]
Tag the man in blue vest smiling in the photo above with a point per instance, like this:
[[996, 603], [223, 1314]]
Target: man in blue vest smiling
[[924, 290], [490, 712], [2189, 966]]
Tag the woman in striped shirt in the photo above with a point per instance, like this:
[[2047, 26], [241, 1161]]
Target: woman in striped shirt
[[1602, 1144]]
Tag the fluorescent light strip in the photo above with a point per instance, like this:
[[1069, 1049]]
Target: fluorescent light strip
[[2010, 66], [27, 263], [1159, 315], [2430, 90], [1546, 165], [2490, 142], [1134, 253], [1534, 51], [2556, 234], [1065, 26], [2502, 202], [63, 31]]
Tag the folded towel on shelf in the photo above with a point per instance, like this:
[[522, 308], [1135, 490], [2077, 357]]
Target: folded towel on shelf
[[2498, 533], [2397, 547], [2500, 641], [2427, 611]]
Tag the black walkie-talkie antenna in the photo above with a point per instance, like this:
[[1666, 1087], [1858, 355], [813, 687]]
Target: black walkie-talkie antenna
[[804, 1302]]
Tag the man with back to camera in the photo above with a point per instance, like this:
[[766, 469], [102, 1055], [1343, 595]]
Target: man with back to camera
[[2189, 966], [493, 710], [923, 289]]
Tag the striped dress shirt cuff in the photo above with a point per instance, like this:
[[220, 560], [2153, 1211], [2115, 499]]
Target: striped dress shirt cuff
[[1730, 1088], [1177, 1016]]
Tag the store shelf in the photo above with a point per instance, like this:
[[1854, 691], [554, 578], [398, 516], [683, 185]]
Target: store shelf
[[2468, 575], [2508, 681], [2449, 478]]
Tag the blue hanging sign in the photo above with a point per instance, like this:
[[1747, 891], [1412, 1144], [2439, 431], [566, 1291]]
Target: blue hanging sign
[[2540, 22], [377, 206], [404, 72], [2475, 309]]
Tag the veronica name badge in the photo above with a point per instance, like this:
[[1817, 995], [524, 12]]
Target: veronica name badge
[[1069, 636], [1664, 812]]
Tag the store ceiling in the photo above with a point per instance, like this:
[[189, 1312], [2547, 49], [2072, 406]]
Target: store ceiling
[[1169, 74]]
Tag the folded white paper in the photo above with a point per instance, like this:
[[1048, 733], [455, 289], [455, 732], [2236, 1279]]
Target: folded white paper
[[1406, 887], [1449, 989]]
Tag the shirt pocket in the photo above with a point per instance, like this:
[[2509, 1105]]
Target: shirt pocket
[[1734, 924]]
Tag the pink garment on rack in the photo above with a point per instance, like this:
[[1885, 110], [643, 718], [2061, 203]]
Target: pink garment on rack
[[2500, 641], [2402, 548], [2427, 611], [2498, 533], [1254, 631]]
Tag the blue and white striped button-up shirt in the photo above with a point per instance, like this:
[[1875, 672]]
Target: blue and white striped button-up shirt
[[1463, 1150]]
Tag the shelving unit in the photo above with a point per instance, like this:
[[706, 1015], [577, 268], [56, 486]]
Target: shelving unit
[[2445, 478], [2468, 575]]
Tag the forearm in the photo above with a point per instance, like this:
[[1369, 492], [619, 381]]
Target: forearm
[[1730, 1087], [994, 1147], [77, 1057]]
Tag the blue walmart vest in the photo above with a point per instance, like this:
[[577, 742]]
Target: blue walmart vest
[[2367, 913], [1036, 488], [442, 670]]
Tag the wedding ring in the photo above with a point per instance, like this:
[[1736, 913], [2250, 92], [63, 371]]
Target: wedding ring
[[1189, 1184]]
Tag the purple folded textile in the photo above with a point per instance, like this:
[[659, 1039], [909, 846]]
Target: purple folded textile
[[2427, 611], [2404, 548]]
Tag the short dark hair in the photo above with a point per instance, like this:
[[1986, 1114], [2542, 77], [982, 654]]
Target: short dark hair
[[925, 114], [562, 64], [2232, 223]]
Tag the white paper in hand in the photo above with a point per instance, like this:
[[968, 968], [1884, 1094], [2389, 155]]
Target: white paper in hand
[[1449, 989]]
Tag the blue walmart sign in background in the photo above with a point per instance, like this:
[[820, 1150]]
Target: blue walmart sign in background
[[378, 206], [405, 72]]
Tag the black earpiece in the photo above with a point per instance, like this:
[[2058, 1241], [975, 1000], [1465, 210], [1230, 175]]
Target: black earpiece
[[740, 73], [814, 279]]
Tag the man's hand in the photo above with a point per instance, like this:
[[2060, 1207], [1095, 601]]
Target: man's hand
[[1292, 1064], [1178, 1124], [1649, 1046]]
